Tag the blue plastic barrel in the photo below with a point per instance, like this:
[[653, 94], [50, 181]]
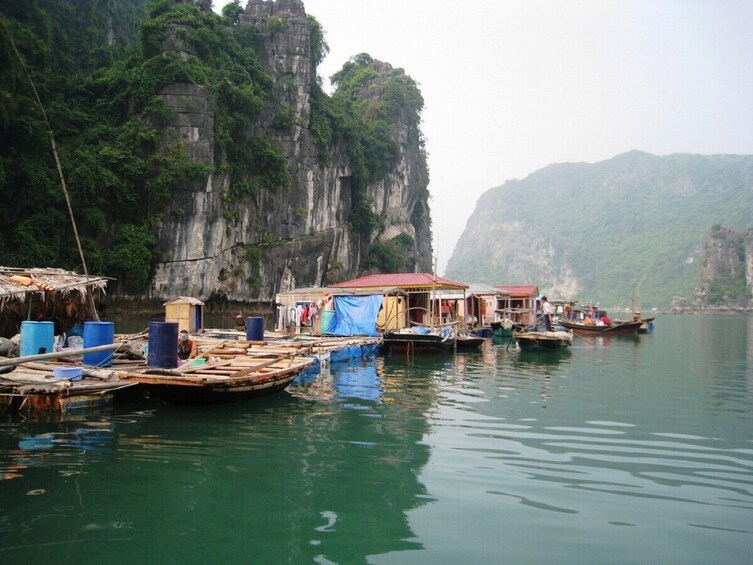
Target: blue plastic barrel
[[37, 337], [255, 329], [328, 318], [163, 345], [96, 334]]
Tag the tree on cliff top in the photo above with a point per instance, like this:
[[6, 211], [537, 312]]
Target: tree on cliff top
[[104, 101]]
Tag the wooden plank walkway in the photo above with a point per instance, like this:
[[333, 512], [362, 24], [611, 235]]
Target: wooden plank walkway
[[226, 364]]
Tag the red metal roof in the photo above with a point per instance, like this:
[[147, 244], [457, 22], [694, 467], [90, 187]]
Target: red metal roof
[[400, 280], [520, 289]]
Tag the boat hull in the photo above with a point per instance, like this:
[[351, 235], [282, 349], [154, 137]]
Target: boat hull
[[418, 343], [544, 340], [206, 395], [240, 378], [622, 328], [469, 342]]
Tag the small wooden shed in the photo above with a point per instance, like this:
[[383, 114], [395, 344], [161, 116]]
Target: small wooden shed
[[187, 311]]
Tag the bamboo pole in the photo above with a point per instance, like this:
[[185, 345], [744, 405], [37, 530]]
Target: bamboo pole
[[61, 354]]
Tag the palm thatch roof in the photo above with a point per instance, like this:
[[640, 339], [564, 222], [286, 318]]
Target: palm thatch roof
[[55, 294]]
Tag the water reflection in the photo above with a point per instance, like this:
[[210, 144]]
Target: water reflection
[[525, 359], [627, 444], [326, 471], [29, 444], [607, 340], [411, 461]]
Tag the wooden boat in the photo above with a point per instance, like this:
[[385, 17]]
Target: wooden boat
[[220, 380], [467, 341], [421, 339], [509, 320], [503, 328], [528, 339], [615, 328], [647, 324]]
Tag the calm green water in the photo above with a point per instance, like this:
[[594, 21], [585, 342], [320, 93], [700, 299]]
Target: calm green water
[[619, 451]]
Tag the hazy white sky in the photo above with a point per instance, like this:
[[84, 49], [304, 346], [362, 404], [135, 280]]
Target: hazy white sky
[[511, 86]]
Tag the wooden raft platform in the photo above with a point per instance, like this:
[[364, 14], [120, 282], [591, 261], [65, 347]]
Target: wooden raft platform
[[32, 387], [224, 370], [317, 346], [208, 380]]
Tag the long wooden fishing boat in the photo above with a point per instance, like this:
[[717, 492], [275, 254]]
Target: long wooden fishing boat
[[527, 339], [219, 380], [615, 328]]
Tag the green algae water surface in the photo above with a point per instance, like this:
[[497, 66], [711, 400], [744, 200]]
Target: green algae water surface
[[616, 451]]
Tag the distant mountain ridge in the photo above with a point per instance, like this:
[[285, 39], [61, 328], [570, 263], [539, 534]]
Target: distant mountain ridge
[[599, 231]]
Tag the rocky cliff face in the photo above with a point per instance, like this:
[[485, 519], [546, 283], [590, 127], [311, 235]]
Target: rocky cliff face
[[726, 269], [296, 236], [633, 224]]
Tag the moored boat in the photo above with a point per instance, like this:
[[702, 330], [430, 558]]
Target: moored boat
[[647, 324], [614, 328], [527, 339], [421, 339], [467, 341], [221, 380]]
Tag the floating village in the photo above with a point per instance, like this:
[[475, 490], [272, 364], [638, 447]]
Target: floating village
[[59, 357]]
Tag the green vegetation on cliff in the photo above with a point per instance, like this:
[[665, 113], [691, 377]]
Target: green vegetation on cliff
[[361, 116], [61, 45], [598, 231], [369, 100], [101, 69], [723, 269]]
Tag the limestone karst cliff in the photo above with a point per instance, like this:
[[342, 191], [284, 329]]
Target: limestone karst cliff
[[200, 152], [726, 277], [301, 233], [632, 224]]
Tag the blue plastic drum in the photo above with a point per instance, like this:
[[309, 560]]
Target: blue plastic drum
[[96, 334], [163, 345]]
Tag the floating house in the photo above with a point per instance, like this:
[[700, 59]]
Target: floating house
[[479, 302], [329, 310], [483, 303], [408, 299], [37, 303], [522, 303], [294, 310]]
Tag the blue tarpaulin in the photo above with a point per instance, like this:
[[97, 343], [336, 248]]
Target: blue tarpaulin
[[355, 315]]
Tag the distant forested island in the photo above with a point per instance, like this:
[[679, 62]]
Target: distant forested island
[[673, 231]]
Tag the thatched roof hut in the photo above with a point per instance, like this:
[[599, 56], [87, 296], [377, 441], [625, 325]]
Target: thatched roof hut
[[61, 296]]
